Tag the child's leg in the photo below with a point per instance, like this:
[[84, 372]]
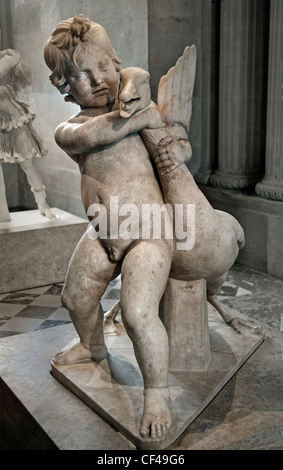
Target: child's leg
[[88, 275], [145, 271]]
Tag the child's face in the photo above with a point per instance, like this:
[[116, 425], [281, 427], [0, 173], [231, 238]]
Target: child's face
[[93, 80]]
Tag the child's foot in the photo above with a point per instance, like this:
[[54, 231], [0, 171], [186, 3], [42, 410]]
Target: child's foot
[[75, 353], [158, 415]]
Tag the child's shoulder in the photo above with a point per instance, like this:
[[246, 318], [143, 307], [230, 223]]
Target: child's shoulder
[[85, 114]]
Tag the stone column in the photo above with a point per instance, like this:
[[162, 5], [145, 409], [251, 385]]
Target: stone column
[[209, 77], [271, 187], [5, 25], [242, 94]]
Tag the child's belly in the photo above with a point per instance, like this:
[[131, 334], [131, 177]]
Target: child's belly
[[118, 182]]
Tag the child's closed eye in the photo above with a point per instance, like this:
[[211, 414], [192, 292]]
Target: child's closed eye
[[103, 66], [81, 76]]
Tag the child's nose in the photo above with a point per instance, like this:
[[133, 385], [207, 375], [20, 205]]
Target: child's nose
[[96, 79]]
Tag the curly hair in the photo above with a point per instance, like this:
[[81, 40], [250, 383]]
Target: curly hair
[[16, 74], [20, 76], [67, 39]]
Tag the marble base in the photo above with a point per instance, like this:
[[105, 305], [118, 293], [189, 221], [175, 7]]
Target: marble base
[[113, 388], [262, 221], [35, 251]]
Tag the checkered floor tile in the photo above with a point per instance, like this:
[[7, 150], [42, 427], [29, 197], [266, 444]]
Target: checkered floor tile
[[253, 294], [38, 308]]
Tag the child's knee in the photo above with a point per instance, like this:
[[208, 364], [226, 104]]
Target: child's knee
[[69, 301], [134, 316], [84, 304]]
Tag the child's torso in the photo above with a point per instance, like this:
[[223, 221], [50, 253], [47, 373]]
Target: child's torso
[[123, 170]]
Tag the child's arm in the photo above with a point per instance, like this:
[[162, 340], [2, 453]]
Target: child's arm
[[81, 135]]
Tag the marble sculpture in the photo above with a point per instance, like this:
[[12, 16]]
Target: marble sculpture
[[132, 151], [19, 142]]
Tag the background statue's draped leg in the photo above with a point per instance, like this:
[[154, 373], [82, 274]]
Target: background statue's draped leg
[[4, 211], [37, 187]]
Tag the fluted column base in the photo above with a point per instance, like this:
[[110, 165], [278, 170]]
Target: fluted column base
[[234, 181], [202, 177], [270, 188]]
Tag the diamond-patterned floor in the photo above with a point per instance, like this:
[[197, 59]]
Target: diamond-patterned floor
[[254, 294], [41, 307]]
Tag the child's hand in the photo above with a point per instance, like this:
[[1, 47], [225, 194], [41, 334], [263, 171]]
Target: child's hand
[[171, 154], [148, 118], [153, 117]]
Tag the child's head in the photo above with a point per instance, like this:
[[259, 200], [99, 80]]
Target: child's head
[[14, 71], [73, 46]]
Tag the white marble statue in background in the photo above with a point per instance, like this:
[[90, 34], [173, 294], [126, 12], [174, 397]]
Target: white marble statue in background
[[19, 142]]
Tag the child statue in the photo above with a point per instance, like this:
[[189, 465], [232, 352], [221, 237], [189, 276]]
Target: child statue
[[112, 141], [85, 66], [19, 142]]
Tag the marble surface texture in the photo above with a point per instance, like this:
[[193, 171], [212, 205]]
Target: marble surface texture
[[41, 248]]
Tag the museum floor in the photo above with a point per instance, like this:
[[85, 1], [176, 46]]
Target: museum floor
[[246, 414], [252, 293]]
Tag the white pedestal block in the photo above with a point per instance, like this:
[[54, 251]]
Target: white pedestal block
[[35, 251], [183, 310], [113, 388]]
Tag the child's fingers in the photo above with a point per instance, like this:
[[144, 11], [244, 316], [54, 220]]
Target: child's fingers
[[164, 160], [169, 169], [160, 151]]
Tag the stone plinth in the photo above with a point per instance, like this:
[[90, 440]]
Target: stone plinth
[[262, 221], [245, 415], [113, 388], [35, 251], [183, 310]]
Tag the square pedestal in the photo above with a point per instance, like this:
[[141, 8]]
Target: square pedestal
[[113, 388], [35, 251], [183, 310]]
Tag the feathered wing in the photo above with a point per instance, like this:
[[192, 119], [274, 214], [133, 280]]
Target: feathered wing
[[175, 91]]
